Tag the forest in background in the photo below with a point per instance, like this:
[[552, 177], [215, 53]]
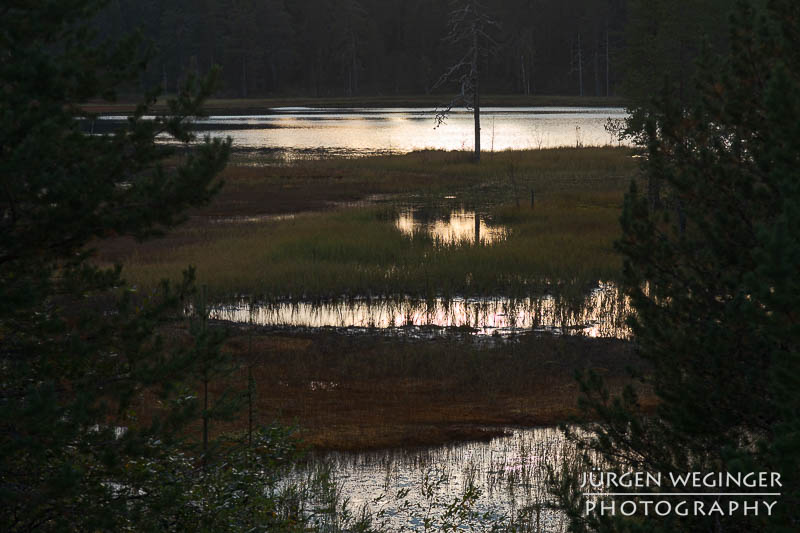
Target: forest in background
[[324, 48]]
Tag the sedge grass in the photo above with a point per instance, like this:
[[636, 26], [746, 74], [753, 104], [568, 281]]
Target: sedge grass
[[566, 238], [360, 252], [548, 171]]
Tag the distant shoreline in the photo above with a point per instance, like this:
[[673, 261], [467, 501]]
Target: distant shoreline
[[251, 106]]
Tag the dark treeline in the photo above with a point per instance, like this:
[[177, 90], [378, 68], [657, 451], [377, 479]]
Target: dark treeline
[[385, 47]]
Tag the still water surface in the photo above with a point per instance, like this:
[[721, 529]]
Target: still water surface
[[301, 131], [510, 473], [454, 228], [600, 313]]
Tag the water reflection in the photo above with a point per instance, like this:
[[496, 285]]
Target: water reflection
[[509, 471], [456, 227], [600, 313], [399, 130]]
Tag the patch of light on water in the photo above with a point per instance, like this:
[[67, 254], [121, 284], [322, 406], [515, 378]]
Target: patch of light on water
[[308, 133], [406, 486], [457, 227], [600, 313]]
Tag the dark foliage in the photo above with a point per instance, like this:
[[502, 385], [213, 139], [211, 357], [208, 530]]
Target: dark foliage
[[82, 353], [375, 47], [711, 268]]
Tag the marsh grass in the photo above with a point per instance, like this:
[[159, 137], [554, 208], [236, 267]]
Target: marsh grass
[[255, 184], [360, 252], [547, 171], [338, 253]]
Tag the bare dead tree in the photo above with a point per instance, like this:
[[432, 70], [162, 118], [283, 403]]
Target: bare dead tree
[[470, 31]]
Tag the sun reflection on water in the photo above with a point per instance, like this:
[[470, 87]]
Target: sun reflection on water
[[601, 313], [458, 227]]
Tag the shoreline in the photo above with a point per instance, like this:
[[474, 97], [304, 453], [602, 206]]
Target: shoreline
[[255, 106]]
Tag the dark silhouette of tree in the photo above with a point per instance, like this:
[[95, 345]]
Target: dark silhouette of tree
[[350, 25], [470, 34], [94, 395], [662, 45], [374, 47], [712, 277]]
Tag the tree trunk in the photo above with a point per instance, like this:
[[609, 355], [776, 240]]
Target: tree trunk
[[526, 86], [206, 378], [607, 63], [244, 75], [250, 380], [354, 59], [654, 192], [205, 416], [596, 69], [580, 66], [477, 96]]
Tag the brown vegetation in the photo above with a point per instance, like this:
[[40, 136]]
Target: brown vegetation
[[348, 392]]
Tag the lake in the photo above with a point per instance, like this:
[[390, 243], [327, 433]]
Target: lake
[[305, 132]]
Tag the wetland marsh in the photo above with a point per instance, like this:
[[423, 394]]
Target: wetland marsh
[[389, 246], [399, 302]]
